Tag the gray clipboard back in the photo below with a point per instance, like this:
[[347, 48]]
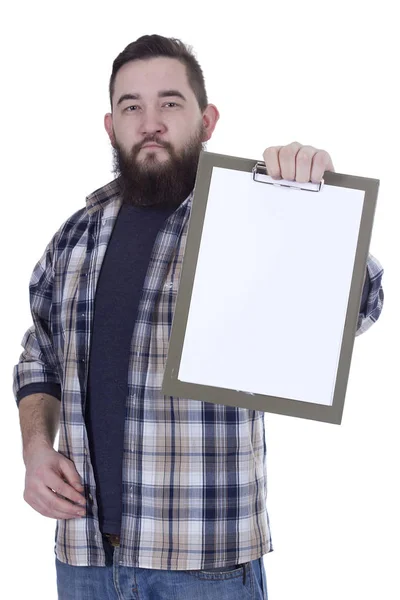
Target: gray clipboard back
[[172, 386]]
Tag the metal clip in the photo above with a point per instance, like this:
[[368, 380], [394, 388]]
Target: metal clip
[[260, 169]]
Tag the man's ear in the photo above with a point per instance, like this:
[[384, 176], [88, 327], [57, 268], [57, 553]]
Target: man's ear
[[210, 119], [108, 124]]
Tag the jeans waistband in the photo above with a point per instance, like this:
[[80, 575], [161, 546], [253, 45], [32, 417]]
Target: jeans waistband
[[114, 540]]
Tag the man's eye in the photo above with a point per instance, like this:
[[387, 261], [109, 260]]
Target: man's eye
[[136, 106]]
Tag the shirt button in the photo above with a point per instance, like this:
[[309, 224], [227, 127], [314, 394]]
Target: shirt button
[[90, 497]]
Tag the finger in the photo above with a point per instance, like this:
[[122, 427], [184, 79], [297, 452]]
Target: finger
[[54, 482], [321, 162], [69, 472], [304, 160], [42, 503], [271, 160], [53, 504], [287, 160], [57, 514]]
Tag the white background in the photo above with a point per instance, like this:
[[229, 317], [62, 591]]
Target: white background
[[324, 74]]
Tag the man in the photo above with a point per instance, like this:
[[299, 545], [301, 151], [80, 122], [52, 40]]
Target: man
[[173, 501]]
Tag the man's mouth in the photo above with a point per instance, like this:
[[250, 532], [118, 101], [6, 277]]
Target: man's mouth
[[152, 146]]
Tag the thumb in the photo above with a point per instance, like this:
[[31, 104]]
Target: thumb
[[71, 474]]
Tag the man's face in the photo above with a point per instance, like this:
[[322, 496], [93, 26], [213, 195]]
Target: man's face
[[153, 103]]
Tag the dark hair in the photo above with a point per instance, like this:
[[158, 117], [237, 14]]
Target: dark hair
[[152, 46]]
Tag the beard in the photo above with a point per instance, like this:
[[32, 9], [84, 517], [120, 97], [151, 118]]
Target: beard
[[153, 182]]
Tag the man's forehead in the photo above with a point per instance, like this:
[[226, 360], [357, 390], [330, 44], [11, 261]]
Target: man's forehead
[[160, 68]]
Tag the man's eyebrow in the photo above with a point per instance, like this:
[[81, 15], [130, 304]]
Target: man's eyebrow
[[161, 94]]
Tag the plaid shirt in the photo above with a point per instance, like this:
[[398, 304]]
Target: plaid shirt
[[194, 473]]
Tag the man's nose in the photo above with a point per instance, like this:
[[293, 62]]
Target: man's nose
[[152, 124]]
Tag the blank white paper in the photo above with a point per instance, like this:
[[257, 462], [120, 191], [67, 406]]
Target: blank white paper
[[271, 288]]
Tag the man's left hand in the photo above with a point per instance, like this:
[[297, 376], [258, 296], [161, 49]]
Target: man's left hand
[[296, 162]]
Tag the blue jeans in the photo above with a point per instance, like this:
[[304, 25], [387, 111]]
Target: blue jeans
[[240, 582]]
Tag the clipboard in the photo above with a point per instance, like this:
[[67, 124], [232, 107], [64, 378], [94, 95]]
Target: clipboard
[[270, 289]]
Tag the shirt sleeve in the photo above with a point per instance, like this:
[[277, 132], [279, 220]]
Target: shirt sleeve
[[37, 369], [372, 296]]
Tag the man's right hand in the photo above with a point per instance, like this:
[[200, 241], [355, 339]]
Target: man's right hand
[[50, 475]]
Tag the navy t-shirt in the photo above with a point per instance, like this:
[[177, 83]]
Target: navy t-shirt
[[117, 298]]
